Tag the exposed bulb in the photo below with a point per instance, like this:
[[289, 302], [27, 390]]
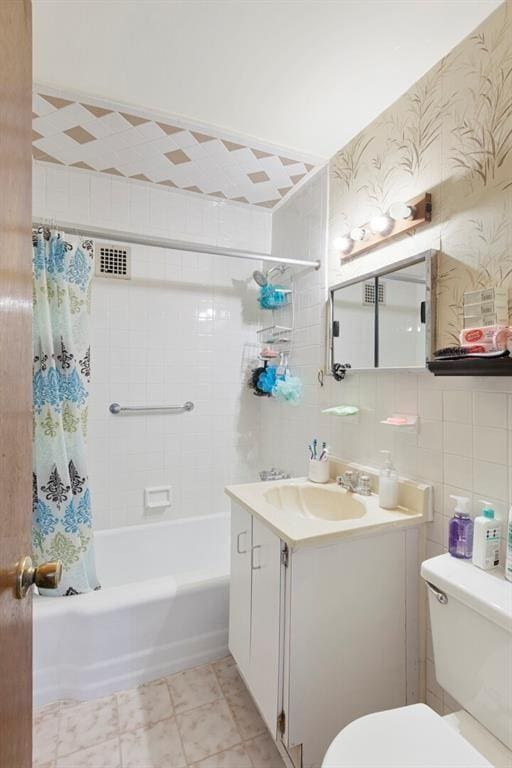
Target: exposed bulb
[[358, 234], [343, 244], [381, 225], [401, 211]]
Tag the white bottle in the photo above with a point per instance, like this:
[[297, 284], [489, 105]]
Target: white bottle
[[486, 539], [388, 484], [508, 558]]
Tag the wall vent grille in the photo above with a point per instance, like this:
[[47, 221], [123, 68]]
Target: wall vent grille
[[113, 261], [369, 293]]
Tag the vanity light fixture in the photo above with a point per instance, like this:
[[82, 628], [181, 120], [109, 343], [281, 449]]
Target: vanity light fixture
[[402, 211], [358, 233], [344, 244], [400, 218], [381, 225]]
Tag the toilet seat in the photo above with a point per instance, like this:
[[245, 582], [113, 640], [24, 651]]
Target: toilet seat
[[409, 737]]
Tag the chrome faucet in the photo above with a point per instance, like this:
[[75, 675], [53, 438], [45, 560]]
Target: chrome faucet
[[355, 482]]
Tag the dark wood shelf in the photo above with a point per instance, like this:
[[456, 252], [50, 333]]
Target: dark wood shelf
[[472, 366]]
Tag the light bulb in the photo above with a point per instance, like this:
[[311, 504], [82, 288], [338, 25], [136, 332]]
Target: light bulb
[[401, 211], [358, 234], [343, 244], [381, 225]]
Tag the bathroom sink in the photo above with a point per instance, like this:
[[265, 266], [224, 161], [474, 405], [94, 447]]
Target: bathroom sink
[[323, 503], [301, 512]]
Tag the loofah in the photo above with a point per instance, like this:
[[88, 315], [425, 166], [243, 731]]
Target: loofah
[[288, 390], [272, 296], [267, 379]]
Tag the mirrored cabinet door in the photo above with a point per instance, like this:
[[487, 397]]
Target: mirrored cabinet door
[[401, 317], [354, 313], [384, 320]]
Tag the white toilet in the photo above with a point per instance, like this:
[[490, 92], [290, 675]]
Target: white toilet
[[471, 618]]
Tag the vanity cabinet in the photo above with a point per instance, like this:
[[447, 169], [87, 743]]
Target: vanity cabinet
[[319, 631], [255, 609]]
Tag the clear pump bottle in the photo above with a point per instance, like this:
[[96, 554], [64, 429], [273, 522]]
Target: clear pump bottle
[[460, 536], [388, 484]]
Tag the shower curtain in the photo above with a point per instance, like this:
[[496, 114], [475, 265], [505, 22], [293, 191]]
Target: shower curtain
[[62, 524]]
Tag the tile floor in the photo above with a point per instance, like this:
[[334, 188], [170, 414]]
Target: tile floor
[[200, 718]]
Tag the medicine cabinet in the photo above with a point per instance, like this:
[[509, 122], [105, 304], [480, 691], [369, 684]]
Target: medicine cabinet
[[384, 319]]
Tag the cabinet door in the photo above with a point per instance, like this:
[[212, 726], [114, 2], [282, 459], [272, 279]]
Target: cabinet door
[[265, 624], [240, 588]]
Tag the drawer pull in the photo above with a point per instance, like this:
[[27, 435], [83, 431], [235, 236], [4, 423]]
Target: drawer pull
[[255, 567], [240, 551]]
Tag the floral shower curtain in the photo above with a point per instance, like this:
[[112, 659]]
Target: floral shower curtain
[[62, 525]]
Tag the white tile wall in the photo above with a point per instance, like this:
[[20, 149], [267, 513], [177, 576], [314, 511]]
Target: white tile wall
[[184, 327], [464, 442], [181, 329]]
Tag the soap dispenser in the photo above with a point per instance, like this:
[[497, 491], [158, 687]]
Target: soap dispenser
[[460, 530], [388, 484], [486, 550]]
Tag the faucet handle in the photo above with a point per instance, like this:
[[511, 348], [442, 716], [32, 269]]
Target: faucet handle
[[365, 485], [348, 479], [352, 477]]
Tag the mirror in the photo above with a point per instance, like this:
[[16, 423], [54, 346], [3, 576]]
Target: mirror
[[383, 320], [354, 332]]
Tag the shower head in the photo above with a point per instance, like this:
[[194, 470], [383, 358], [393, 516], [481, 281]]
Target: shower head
[[260, 277]]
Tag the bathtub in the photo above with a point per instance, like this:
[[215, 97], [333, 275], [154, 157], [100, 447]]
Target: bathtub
[[163, 607]]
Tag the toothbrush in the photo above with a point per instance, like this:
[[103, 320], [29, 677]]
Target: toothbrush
[[324, 452], [315, 441], [310, 451]]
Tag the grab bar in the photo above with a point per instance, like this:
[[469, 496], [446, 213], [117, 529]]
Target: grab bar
[[115, 408]]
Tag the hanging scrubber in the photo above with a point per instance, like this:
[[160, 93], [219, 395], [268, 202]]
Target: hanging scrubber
[[288, 390], [273, 296], [267, 379], [253, 381]]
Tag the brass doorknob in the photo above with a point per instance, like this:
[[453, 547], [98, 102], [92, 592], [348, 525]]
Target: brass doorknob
[[46, 576]]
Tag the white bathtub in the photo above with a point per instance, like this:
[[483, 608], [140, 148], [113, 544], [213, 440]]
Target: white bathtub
[[163, 607]]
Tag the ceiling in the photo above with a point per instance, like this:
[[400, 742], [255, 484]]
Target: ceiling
[[306, 75], [138, 144]]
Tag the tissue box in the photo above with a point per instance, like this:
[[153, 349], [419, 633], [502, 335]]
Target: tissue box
[[499, 317], [486, 308], [498, 295]]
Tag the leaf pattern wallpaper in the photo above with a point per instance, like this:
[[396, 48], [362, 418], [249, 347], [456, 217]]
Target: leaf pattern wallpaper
[[451, 135]]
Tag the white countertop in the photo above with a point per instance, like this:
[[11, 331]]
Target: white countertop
[[298, 528]]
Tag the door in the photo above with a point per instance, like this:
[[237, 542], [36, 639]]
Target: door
[[240, 588], [265, 621], [15, 381]]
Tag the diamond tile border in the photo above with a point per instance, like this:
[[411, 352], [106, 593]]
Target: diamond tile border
[[109, 137]]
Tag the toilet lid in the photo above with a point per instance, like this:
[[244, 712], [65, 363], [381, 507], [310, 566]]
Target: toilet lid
[[409, 737]]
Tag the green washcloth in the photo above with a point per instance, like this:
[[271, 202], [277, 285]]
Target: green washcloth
[[342, 410]]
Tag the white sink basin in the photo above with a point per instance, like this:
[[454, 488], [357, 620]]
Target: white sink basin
[[322, 503], [301, 512]]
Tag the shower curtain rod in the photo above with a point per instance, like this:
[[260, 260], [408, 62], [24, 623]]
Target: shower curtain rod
[[175, 245]]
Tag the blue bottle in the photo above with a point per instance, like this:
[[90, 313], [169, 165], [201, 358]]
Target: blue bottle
[[460, 537]]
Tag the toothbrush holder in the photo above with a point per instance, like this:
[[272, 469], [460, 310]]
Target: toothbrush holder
[[318, 471]]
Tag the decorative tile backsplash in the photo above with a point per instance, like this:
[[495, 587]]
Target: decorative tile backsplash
[[96, 135], [451, 135]]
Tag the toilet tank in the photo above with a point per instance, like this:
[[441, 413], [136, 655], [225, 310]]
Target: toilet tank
[[471, 619]]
